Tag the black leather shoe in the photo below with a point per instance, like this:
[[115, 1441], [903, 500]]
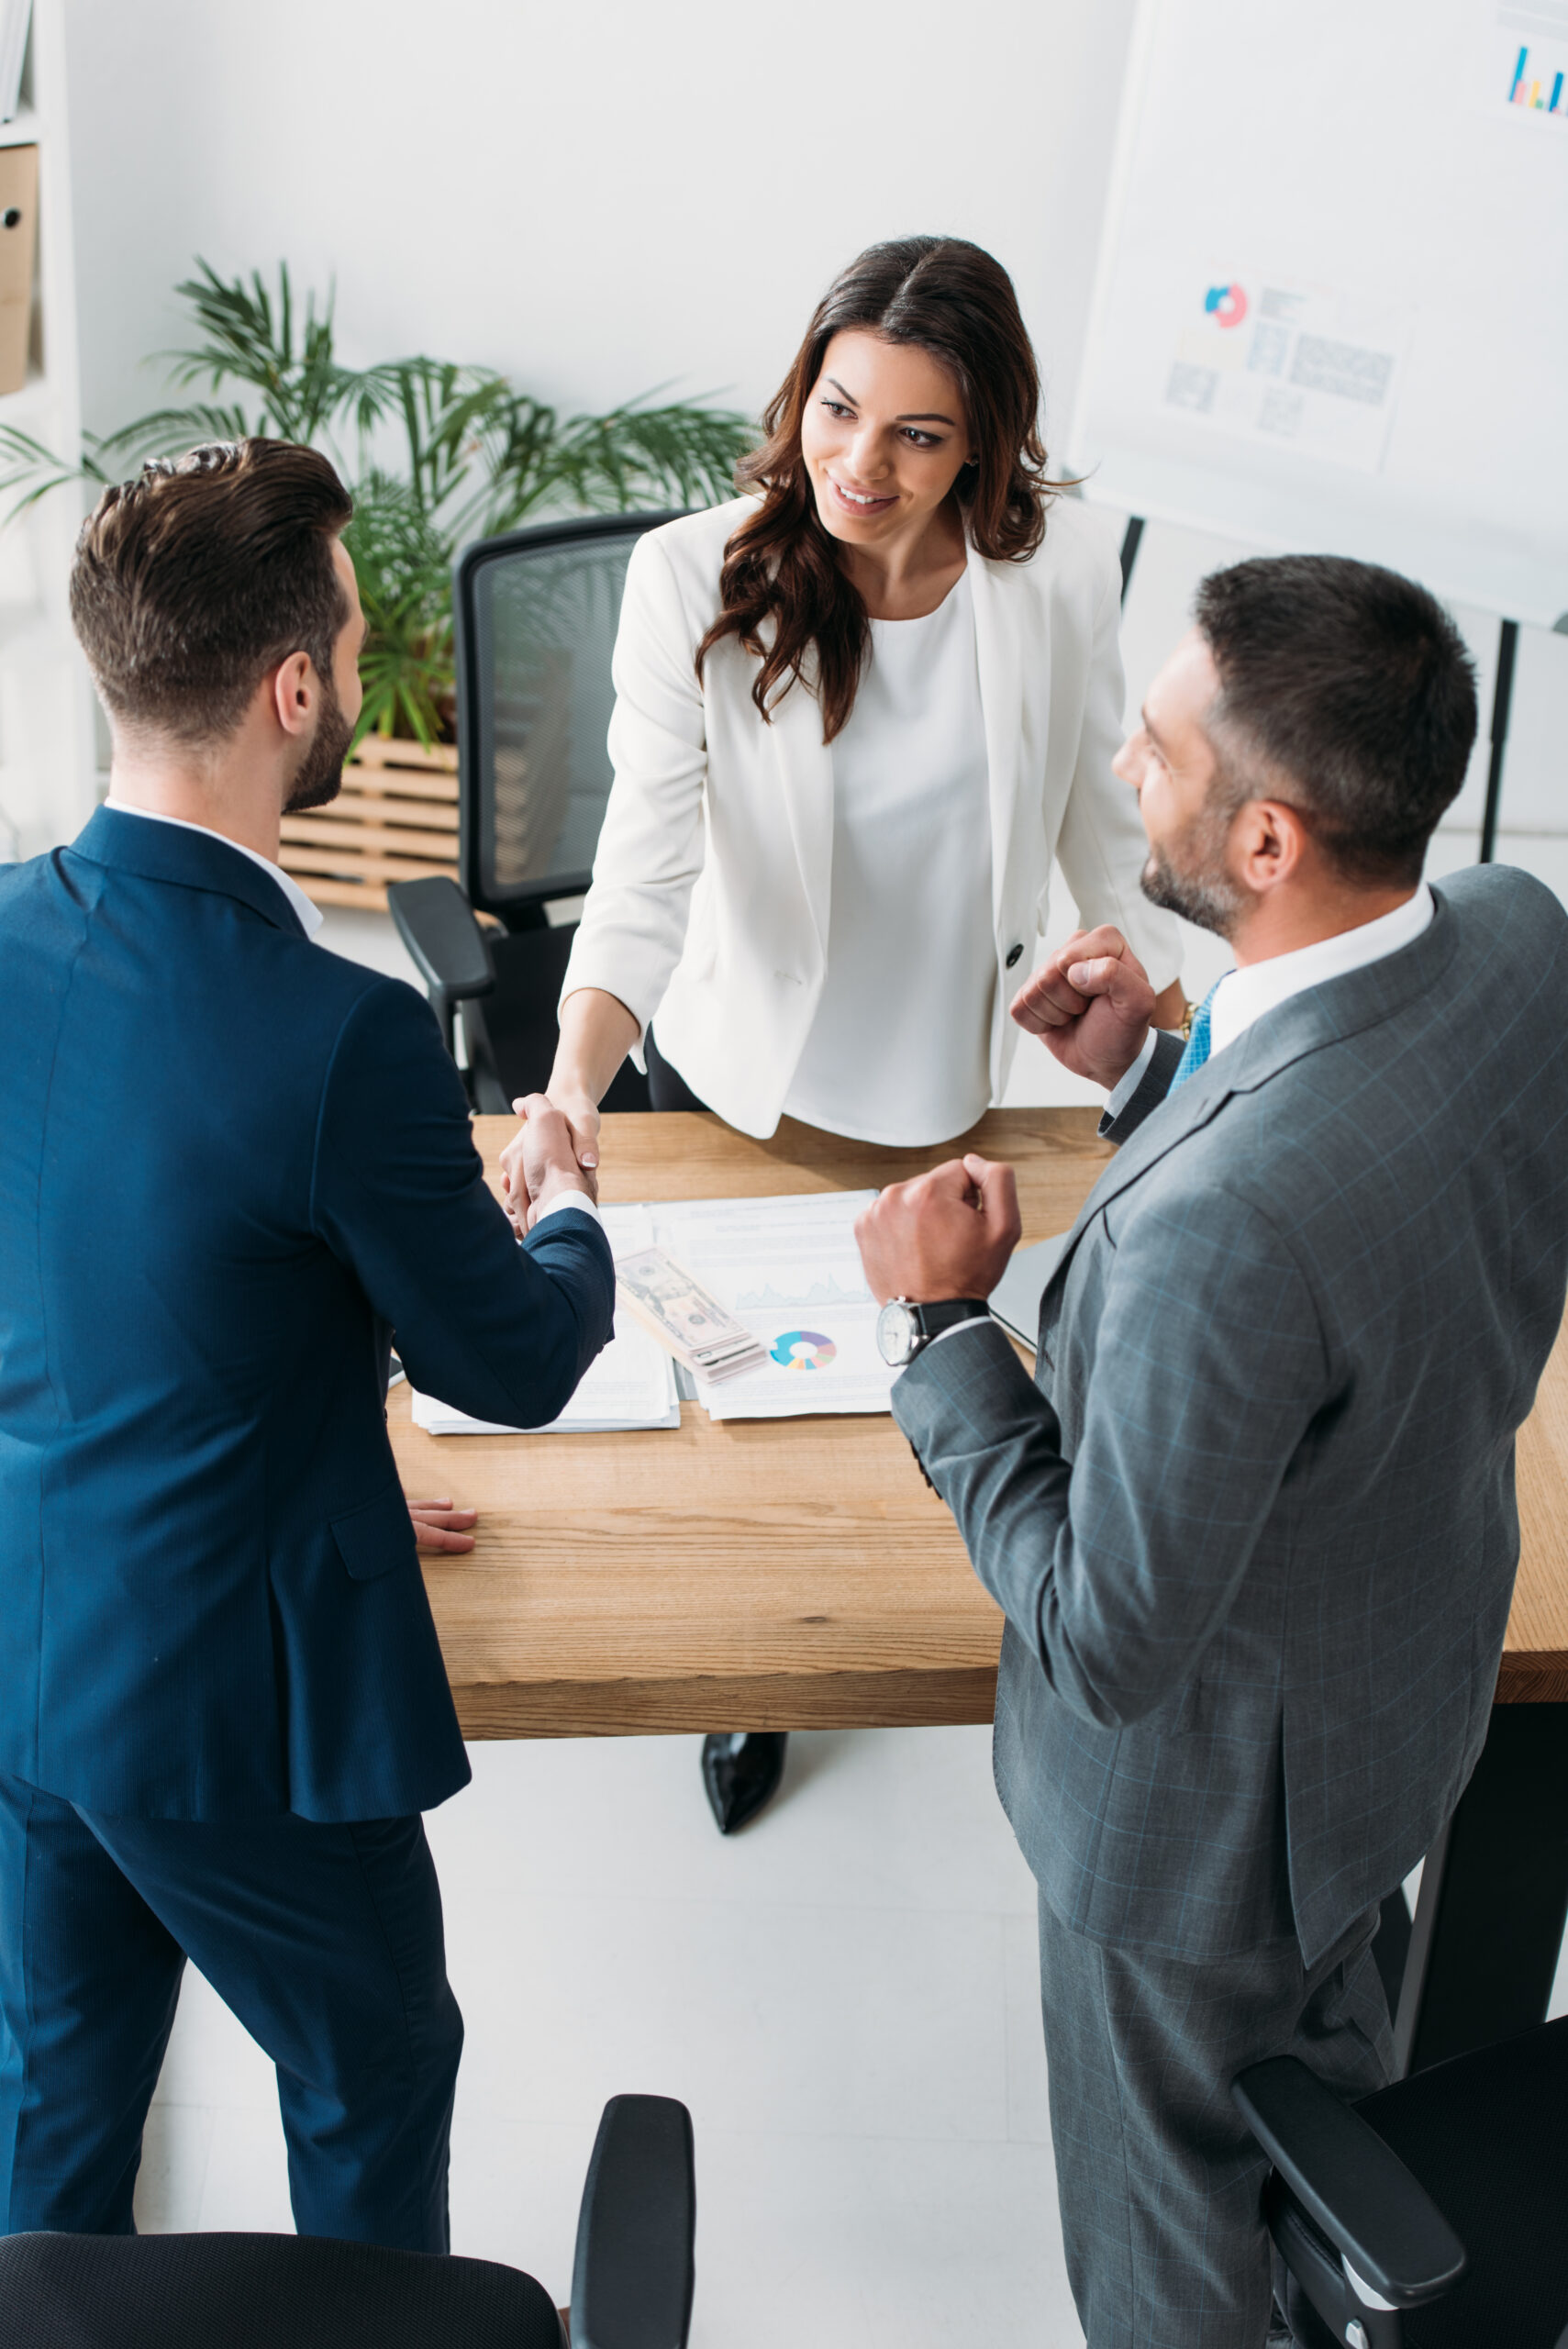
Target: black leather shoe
[[741, 1773]]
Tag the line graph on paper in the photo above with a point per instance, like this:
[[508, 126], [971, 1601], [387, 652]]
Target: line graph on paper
[[772, 1299]]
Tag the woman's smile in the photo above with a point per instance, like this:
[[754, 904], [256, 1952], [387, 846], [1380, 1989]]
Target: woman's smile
[[861, 503]]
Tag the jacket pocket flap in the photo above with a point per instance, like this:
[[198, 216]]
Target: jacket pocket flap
[[372, 1539]]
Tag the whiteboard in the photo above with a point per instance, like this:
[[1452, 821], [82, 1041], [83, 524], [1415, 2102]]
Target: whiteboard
[[1332, 305]]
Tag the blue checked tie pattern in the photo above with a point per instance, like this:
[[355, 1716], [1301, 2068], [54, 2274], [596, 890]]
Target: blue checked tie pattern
[[1196, 1053]]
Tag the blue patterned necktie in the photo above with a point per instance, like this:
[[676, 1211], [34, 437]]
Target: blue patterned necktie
[[1196, 1053]]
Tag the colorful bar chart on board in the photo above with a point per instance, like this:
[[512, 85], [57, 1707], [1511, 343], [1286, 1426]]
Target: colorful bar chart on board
[[1537, 91]]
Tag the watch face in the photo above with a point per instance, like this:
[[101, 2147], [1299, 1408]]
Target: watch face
[[897, 1333]]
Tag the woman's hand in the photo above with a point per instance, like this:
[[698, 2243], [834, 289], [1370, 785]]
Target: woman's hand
[[582, 1116], [541, 1159], [580, 1112], [597, 1033]]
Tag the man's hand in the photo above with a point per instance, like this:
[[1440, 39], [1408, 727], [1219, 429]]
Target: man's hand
[[948, 1234], [1092, 1004], [439, 1526], [540, 1160]]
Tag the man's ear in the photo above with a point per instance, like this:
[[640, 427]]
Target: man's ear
[[1268, 842], [295, 691]]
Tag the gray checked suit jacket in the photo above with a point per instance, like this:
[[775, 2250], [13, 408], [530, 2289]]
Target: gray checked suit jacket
[[1252, 1526]]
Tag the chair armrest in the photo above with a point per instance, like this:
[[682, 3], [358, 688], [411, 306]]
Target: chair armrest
[[634, 2274], [436, 923], [1377, 2216]]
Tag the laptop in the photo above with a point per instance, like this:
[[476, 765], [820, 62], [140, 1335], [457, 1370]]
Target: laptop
[[1015, 1300]]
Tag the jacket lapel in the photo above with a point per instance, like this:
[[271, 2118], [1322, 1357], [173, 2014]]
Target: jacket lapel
[[995, 591], [805, 767]]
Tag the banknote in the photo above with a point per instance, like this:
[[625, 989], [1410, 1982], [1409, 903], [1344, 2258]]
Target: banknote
[[697, 1328]]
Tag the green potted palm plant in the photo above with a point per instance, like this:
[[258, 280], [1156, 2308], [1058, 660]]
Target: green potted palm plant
[[436, 454]]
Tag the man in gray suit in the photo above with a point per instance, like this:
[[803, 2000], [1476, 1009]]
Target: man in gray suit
[[1253, 1524]]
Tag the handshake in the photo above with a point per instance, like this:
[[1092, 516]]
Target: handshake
[[541, 1162]]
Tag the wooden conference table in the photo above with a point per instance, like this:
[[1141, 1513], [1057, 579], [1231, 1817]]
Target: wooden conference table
[[799, 1574]]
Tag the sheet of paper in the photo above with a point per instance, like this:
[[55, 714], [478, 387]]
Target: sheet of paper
[[790, 1269], [630, 1385]]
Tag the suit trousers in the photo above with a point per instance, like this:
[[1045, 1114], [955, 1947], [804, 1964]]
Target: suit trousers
[[325, 1942], [1158, 2177]]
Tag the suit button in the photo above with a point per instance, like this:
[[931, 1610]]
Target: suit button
[[1013, 953]]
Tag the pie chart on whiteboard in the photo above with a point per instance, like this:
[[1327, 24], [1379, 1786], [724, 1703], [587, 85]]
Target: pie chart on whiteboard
[[1227, 305], [803, 1350]]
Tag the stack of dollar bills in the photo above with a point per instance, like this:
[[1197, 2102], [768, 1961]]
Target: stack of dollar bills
[[682, 1314]]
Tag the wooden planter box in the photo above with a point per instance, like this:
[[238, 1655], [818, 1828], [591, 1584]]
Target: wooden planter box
[[394, 819]]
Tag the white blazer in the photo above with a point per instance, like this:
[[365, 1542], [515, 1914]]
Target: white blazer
[[710, 896]]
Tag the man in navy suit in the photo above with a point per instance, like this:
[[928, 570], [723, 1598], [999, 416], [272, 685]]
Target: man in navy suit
[[230, 1166]]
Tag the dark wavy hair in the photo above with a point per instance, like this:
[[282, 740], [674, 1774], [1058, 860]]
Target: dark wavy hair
[[949, 299]]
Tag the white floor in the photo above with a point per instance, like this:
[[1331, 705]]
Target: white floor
[[845, 1996]]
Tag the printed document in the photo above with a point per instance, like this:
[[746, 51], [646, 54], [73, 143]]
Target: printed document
[[630, 1385], [789, 1269]]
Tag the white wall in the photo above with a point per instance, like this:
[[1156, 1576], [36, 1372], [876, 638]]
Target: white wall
[[598, 196], [601, 198]]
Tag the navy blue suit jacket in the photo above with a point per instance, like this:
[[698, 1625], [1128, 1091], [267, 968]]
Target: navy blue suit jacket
[[230, 1164]]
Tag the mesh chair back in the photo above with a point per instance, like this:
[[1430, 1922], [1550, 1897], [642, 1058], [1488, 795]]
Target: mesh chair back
[[536, 614]]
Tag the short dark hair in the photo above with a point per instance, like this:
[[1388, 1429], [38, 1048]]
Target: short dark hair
[[193, 581], [1355, 686]]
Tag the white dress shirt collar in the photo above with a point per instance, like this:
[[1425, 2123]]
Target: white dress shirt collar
[[1244, 995], [309, 914]]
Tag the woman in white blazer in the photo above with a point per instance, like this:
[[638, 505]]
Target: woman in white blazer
[[860, 715]]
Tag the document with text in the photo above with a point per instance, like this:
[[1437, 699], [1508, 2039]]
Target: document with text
[[630, 1385], [790, 1269]]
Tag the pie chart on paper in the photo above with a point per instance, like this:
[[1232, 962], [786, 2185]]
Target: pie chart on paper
[[803, 1350]]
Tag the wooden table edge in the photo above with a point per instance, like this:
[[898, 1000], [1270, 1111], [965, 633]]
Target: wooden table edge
[[952, 1696], [1539, 1677]]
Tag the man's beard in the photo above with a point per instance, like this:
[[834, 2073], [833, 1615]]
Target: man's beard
[[1204, 893], [320, 776]]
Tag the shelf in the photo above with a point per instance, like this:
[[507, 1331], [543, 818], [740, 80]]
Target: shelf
[[25, 129]]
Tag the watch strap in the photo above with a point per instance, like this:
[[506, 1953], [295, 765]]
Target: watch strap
[[932, 1320]]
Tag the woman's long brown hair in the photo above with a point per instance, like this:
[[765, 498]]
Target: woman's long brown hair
[[946, 297]]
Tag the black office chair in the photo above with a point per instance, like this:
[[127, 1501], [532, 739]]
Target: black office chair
[[535, 613], [1446, 2195], [632, 2284]]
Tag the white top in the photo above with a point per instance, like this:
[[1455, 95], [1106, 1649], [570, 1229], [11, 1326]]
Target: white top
[[1242, 996], [899, 1049], [710, 909]]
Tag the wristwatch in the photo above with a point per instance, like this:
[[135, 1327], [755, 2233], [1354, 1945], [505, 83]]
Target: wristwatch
[[902, 1329]]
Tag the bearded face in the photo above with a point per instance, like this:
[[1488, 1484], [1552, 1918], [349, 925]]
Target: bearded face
[[1188, 875], [320, 774]]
